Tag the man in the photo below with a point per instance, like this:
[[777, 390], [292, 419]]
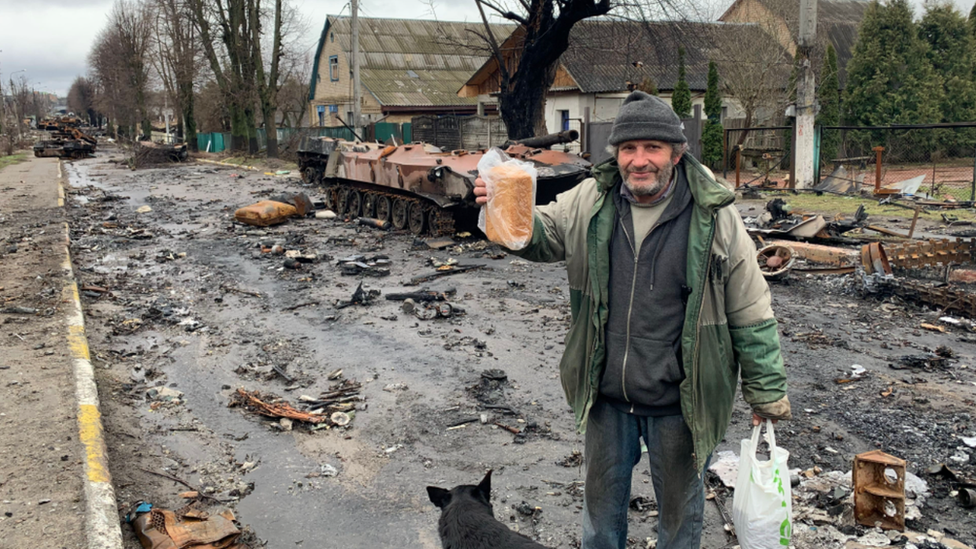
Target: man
[[668, 305]]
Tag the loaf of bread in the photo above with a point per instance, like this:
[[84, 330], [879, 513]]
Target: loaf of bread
[[508, 218]]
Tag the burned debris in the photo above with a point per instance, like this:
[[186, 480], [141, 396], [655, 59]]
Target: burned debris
[[333, 408], [66, 140]]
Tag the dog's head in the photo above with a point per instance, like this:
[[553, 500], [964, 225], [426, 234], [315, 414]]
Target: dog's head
[[480, 493]]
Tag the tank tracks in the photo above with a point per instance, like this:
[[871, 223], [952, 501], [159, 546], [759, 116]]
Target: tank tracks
[[418, 215]]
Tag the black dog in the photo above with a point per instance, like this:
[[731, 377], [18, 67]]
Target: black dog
[[468, 522]]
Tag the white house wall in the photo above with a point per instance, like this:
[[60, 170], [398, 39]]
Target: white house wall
[[604, 106]]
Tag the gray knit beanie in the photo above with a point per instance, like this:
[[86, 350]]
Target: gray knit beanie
[[644, 116]]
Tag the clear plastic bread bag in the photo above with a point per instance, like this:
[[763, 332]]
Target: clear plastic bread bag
[[507, 217]]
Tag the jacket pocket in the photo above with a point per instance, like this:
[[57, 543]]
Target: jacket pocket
[[647, 371]]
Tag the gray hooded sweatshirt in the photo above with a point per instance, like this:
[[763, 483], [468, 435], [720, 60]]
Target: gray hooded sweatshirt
[[647, 308]]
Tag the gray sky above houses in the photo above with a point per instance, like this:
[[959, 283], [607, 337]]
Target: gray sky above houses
[[49, 40]]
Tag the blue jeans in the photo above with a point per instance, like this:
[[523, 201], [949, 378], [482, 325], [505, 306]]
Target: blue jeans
[[612, 450]]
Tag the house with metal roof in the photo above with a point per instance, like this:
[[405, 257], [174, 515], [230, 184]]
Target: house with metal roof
[[407, 68], [606, 60], [837, 24]]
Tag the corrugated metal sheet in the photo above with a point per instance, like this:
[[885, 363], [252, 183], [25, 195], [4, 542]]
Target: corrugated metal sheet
[[442, 54], [428, 88]]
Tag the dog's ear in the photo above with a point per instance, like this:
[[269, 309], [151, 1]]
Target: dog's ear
[[485, 486], [439, 496]]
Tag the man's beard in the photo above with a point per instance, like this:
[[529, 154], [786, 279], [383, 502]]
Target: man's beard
[[661, 180]]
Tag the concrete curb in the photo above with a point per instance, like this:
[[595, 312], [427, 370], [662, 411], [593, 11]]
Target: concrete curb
[[101, 513]]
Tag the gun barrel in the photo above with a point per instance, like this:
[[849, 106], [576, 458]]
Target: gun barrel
[[544, 141]]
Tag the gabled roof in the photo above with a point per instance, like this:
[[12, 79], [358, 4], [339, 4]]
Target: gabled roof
[[837, 23], [828, 11], [407, 62], [604, 55]]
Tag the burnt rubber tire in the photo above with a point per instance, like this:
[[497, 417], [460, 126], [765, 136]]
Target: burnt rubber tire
[[342, 201], [399, 212], [417, 218], [383, 208]]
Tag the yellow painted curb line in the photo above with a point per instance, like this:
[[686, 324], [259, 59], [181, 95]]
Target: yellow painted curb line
[[101, 512]]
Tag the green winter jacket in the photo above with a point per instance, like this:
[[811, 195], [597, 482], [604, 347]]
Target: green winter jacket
[[729, 324]]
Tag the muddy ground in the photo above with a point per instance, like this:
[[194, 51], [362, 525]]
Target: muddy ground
[[184, 308]]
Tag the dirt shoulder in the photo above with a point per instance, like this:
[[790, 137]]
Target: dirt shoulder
[[41, 491]]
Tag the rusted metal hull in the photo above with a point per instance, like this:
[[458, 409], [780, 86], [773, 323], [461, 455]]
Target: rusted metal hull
[[417, 186], [817, 253]]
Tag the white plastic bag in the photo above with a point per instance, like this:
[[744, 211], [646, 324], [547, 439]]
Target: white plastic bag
[[762, 508], [507, 217]]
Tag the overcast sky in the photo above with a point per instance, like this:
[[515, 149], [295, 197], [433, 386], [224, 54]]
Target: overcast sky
[[50, 39]]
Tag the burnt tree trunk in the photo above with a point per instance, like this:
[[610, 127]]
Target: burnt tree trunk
[[522, 97]]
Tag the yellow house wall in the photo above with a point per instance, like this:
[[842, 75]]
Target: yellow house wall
[[339, 92]]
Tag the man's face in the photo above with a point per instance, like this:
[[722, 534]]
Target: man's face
[[645, 166]]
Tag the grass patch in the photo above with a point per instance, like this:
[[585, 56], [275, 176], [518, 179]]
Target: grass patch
[[261, 163], [829, 205], [12, 159]]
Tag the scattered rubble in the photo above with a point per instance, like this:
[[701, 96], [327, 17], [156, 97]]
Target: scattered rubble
[[228, 313]]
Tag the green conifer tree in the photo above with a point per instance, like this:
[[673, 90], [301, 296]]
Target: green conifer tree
[[713, 133], [890, 79], [951, 53], [681, 98], [829, 98], [972, 22]]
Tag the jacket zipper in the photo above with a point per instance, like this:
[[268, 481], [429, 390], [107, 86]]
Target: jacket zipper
[[630, 308], [701, 305]]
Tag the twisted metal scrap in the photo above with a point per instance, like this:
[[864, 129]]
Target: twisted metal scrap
[[932, 253], [954, 301]]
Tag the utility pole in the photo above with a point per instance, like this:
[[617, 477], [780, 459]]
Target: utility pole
[[806, 100], [354, 56]]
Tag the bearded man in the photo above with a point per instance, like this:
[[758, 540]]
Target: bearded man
[[668, 306]]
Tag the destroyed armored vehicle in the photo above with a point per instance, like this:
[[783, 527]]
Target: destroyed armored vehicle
[[72, 148], [66, 142], [417, 186]]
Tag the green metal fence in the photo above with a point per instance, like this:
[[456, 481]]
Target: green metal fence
[[216, 142], [213, 142], [384, 131]]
